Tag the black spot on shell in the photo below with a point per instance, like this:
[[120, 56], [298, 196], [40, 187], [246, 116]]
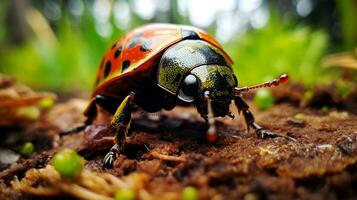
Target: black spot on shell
[[125, 65], [146, 46], [135, 41], [107, 69], [189, 34], [118, 52], [114, 45]]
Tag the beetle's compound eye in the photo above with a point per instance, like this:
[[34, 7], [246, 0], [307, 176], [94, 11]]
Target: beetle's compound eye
[[189, 88]]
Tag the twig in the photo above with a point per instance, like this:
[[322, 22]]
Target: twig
[[167, 157]]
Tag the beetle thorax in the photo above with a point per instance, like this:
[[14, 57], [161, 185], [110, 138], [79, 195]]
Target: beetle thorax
[[192, 67], [180, 59]]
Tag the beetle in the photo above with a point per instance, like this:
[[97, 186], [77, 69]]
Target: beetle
[[156, 67]]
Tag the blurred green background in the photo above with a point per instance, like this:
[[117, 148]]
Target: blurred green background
[[57, 45]]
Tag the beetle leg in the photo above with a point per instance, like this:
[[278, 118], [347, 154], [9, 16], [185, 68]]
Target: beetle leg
[[91, 111], [249, 119], [120, 124], [211, 132]]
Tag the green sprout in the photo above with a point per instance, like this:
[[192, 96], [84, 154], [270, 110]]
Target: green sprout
[[308, 95], [68, 163], [28, 113], [300, 116], [189, 193], [46, 103], [344, 90], [325, 109], [27, 149], [264, 99]]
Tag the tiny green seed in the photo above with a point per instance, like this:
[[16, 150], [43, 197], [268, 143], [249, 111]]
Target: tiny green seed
[[46, 102], [124, 194], [264, 99], [251, 196], [344, 90], [189, 193], [27, 149], [324, 109], [300, 116], [68, 163], [28, 113], [308, 95]]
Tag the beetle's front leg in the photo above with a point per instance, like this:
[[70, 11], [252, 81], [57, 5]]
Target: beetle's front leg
[[249, 119], [120, 124], [211, 132]]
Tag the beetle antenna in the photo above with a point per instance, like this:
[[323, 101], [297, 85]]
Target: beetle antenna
[[282, 79]]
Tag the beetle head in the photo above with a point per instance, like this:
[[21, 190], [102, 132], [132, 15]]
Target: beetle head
[[218, 85], [218, 81]]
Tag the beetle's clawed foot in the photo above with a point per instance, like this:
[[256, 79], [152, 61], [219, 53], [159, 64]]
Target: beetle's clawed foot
[[262, 133], [111, 157], [109, 160]]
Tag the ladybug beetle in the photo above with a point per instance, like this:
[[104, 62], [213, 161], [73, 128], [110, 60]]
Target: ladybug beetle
[[158, 66]]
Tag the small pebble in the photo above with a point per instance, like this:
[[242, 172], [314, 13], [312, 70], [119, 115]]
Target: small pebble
[[324, 146], [251, 196], [8, 157], [339, 115]]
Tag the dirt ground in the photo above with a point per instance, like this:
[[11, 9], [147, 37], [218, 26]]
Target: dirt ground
[[170, 149]]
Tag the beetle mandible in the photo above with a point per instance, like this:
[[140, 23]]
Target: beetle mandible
[[157, 66]]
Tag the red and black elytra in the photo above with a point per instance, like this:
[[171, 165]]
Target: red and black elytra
[[157, 66]]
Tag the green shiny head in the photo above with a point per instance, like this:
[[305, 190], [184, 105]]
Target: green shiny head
[[218, 80], [190, 68], [180, 59]]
